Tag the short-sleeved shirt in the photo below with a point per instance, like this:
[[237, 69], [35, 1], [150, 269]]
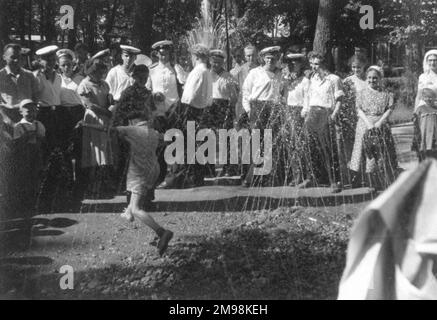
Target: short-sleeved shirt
[[324, 92], [118, 80], [296, 91], [134, 99], [49, 93], [16, 88], [374, 102], [69, 95], [198, 88], [262, 85], [426, 80], [224, 86], [94, 93], [143, 164]]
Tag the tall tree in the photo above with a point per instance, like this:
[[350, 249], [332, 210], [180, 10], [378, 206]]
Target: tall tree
[[73, 34], [143, 24], [4, 36], [324, 30]]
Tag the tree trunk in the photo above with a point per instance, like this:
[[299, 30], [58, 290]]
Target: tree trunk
[[110, 24], [50, 30], [41, 19], [29, 23], [324, 29], [91, 27], [4, 34], [142, 33], [72, 34], [21, 22]]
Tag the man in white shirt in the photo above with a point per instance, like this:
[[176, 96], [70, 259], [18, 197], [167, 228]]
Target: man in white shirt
[[164, 77], [196, 97], [262, 93], [225, 94], [49, 95], [321, 109], [119, 77], [263, 83], [251, 57], [16, 84]]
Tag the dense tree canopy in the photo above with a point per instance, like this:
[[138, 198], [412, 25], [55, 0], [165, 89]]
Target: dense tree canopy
[[262, 22]]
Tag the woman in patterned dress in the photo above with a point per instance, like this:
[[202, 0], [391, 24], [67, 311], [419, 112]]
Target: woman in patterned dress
[[348, 112], [373, 139], [96, 145]]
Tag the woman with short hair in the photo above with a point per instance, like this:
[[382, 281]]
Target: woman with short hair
[[374, 144]]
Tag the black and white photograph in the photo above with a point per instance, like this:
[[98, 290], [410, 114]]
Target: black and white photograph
[[227, 151]]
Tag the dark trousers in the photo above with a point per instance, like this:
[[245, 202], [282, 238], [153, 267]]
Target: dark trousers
[[61, 157], [59, 123], [184, 175]]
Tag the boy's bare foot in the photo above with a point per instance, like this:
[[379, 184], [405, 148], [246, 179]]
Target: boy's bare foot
[[163, 241], [127, 214]]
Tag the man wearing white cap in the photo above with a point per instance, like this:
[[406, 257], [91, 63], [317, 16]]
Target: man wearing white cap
[[49, 94], [196, 97], [251, 57], [225, 94], [165, 77], [16, 84], [119, 77], [262, 94]]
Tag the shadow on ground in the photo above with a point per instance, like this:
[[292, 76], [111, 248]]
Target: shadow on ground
[[16, 234], [276, 257]]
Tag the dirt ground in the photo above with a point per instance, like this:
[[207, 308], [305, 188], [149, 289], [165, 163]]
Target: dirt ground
[[287, 253]]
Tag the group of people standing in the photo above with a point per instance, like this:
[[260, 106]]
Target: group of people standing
[[76, 124], [326, 131]]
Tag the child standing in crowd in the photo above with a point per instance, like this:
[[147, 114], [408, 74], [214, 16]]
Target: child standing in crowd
[[27, 165], [96, 146], [425, 125]]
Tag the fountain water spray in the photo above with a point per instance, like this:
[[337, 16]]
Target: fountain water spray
[[205, 32]]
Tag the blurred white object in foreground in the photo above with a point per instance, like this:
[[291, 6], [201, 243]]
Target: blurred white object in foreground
[[393, 246]]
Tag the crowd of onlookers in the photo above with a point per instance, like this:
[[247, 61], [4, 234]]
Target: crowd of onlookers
[[92, 126]]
